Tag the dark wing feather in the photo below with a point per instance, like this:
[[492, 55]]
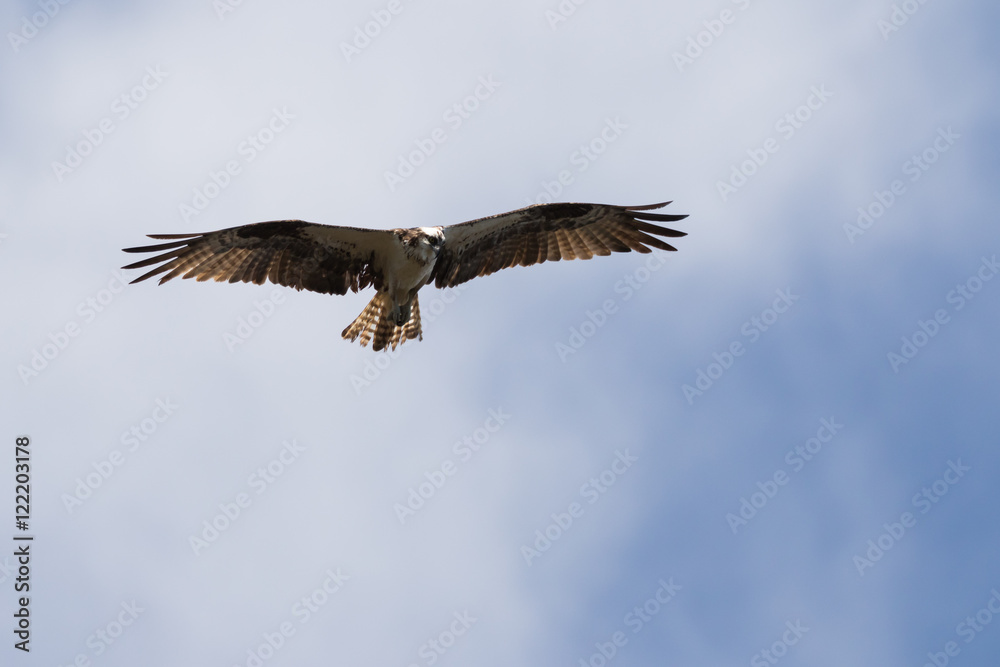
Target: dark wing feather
[[544, 232], [303, 255]]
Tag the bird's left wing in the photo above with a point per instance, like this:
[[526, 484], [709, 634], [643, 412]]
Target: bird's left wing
[[547, 232], [303, 255]]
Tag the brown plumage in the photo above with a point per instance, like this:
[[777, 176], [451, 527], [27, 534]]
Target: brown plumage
[[398, 262], [374, 324], [548, 232]]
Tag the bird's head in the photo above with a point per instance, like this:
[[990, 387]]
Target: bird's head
[[433, 237]]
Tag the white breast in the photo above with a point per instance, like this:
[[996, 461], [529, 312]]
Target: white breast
[[407, 269]]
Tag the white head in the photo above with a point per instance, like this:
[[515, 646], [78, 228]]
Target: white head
[[433, 237]]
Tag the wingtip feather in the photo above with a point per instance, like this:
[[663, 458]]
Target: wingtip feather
[[648, 207]]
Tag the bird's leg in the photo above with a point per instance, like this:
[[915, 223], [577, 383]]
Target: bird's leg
[[400, 313]]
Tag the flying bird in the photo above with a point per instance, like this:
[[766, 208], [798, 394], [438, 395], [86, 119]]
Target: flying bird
[[398, 262]]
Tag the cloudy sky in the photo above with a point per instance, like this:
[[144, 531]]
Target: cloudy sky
[[775, 445]]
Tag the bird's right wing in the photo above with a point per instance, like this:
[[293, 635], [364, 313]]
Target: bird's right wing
[[303, 255]]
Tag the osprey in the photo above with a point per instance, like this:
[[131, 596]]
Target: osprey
[[398, 262]]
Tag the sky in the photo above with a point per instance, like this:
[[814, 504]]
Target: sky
[[774, 446]]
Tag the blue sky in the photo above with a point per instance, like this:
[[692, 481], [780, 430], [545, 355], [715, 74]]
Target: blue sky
[[773, 446]]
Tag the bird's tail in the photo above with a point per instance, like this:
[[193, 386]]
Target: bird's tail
[[375, 324]]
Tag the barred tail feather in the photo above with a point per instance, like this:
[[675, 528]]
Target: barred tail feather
[[374, 325]]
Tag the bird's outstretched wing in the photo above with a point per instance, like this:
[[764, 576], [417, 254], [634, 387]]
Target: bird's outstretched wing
[[303, 255], [547, 232]]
